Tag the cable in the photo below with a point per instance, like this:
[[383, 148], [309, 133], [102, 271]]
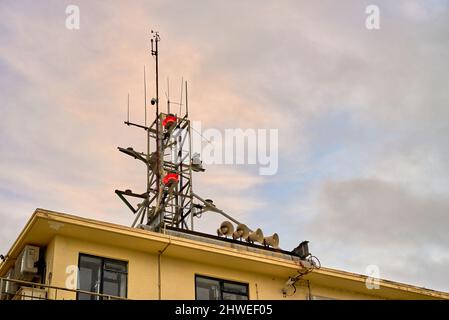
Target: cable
[[201, 135], [315, 265], [314, 262]]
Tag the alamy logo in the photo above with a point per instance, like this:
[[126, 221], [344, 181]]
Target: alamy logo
[[234, 147], [373, 277], [71, 278], [72, 21], [372, 21]]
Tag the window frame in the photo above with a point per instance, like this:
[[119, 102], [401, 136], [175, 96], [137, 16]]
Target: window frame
[[104, 260], [221, 286]]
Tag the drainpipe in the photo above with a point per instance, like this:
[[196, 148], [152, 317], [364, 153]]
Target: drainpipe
[[159, 268]]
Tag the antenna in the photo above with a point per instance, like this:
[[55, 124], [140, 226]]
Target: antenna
[[128, 108], [145, 207], [168, 95], [145, 93], [187, 104], [155, 52], [169, 199], [180, 100]]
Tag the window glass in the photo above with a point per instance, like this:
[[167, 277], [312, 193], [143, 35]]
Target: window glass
[[89, 276], [124, 285], [207, 289], [216, 289], [111, 283], [233, 296], [119, 266], [235, 288], [103, 276]]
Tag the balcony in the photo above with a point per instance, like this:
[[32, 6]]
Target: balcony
[[11, 289]]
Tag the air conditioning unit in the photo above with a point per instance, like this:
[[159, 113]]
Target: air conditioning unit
[[26, 263], [9, 288]]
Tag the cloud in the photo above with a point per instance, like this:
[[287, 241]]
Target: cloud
[[404, 233], [376, 212], [362, 118]]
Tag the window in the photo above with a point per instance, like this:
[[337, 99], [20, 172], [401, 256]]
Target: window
[[215, 289], [103, 276]]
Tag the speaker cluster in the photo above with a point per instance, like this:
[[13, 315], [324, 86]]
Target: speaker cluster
[[242, 232]]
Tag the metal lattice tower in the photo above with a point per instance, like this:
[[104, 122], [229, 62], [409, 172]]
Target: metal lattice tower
[[169, 200], [169, 197]]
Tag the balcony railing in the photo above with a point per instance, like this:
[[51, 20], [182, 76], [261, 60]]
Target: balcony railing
[[37, 291]]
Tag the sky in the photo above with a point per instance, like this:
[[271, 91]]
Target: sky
[[362, 116]]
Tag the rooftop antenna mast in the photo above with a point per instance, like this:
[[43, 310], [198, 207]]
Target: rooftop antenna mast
[[155, 53], [169, 199]]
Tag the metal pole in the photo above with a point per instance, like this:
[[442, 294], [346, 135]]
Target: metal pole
[[168, 95], [179, 210], [145, 93], [190, 171], [187, 106], [156, 53], [215, 209], [146, 209]]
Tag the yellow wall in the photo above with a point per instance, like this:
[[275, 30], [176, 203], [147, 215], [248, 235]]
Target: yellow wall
[[66, 236], [142, 275], [177, 276], [178, 279], [49, 258], [326, 292]]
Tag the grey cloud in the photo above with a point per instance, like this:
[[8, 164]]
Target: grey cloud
[[285, 65], [373, 212], [375, 222]]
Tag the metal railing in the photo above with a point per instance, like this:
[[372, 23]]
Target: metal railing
[[41, 291]]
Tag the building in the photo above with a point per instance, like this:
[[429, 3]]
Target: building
[[80, 258]]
